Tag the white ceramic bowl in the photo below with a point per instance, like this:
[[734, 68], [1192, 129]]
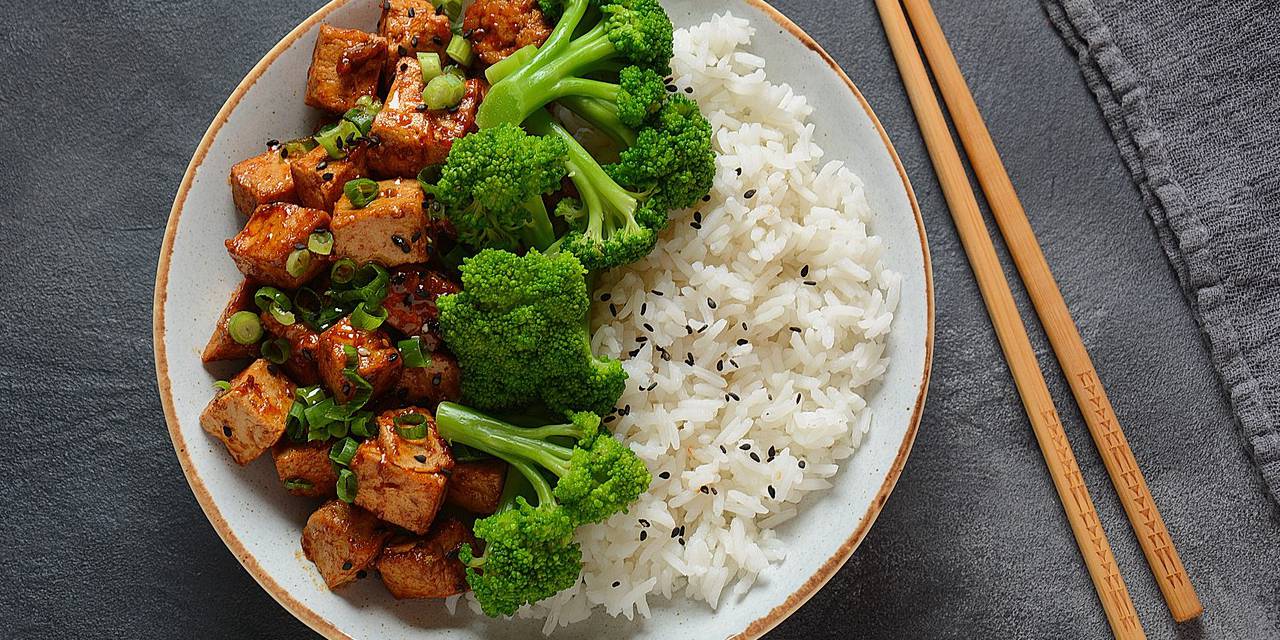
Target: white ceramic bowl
[[261, 524]]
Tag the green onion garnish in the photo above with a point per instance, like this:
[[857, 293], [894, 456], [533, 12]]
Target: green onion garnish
[[460, 50], [299, 262], [297, 148], [411, 353], [222, 385], [444, 92], [335, 138], [364, 391], [368, 317], [276, 351], [360, 425], [343, 451], [352, 354], [343, 271], [296, 484], [431, 68], [452, 8], [346, 486], [266, 297], [411, 426], [320, 243], [310, 396], [362, 116], [361, 192], [245, 327]]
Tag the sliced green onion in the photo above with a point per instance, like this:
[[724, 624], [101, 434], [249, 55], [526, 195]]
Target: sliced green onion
[[361, 425], [297, 148], [245, 327], [320, 243], [431, 68], [456, 71], [346, 486], [285, 318], [367, 317], [266, 297], [444, 92], [299, 263], [411, 426], [361, 192], [336, 138], [222, 385], [343, 451], [364, 391], [452, 8], [343, 271], [411, 353], [369, 285], [310, 396], [339, 429], [297, 484], [295, 424], [369, 103], [364, 113], [505, 67], [352, 354], [459, 49], [276, 351]]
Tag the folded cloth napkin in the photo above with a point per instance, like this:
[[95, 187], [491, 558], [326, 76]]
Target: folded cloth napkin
[[1191, 92]]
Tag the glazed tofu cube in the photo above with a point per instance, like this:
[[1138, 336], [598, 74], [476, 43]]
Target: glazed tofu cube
[[411, 302], [304, 349], [261, 250], [378, 360], [346, 65], [221, 345], [402, 481], [250, 416], [499, 28], [319, 179], [391, 230], [411, 137], [411, 27], [427, 567], [262, 180], [304, 468], [441, 381], [477, 486], [342, 540]]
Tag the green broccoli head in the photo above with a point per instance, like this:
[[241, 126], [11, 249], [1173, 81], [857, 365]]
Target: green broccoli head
[[529, 555], [491, 187], [518, 330], [641, 93], [604, 478], [673, 156], [614, 237], [640, 30]]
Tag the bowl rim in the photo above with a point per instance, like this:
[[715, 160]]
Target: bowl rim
[[318, 622]]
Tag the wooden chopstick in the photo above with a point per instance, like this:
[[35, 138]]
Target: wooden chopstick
[[1074, 359], [1036, 400]]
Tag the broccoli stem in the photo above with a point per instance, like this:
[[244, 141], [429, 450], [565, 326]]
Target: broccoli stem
[[530, 474], [539, 234], [495, 437], [539, 82], [603, 116]]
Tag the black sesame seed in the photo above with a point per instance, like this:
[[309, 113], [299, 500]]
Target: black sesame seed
[[226, 431], [804, 271], [405, 246], [412, 12], [772, 492], [734, 396], [723, 450], [695, 225], [706, 198], [697, 216], [608, 419], [404, 67], [751, 193], [402, 51], [362, 574], [327, 177], [688, 357], [299, 246], [633, 353], [675, 533], [797, 398], [734, 363], [643, 535], [746, 446], [435, 380], [688, 89], [615, 584], [644, 306], [704, 328], [643, 339], [393, 357], [800, 464], [415, 42], [726, 397], [720, 365], [440, 9], [772, 452], [704, 489], [613, 310], [387, 5], [711, 303], [651, 387], [671, 88], [681, 541], [271, 144], [323, 164], [664, 475], [688, 329], [811, 283], [795, 329], [643, 522], [421, 107], [346, 566], [604, 297], [648, 327], [742, 342], [738, 171], [655, 292], [436, 40], [714, 492], [744, 326], [422, 459], [755, 457]]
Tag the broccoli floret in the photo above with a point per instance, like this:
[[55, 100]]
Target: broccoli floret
[[519, 331], [630, 32], [530, 554], [492, 183]]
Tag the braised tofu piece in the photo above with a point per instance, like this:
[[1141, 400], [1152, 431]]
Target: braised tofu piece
[[304, 348], [377, 360], [477, 486], [402, 481], [261, 250], [412, 137], [391, 230], [262, 180], [305, 469], [342, 541], [427, 567], [411, 27], [441, 381], [221, 345], [346, 65], [319, 179], [411, 302], [499, 28], [250, 416]]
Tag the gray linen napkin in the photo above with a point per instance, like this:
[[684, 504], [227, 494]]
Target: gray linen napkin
[[1191, 91]]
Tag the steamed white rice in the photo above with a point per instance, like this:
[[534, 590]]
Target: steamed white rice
[[749, 336]]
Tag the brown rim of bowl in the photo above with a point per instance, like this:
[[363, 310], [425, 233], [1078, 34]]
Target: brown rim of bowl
[[322, 625]]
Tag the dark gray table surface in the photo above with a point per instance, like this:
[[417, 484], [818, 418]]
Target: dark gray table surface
[[103, 104]]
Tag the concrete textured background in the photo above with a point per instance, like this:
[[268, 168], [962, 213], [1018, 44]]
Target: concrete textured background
[[103, 104]]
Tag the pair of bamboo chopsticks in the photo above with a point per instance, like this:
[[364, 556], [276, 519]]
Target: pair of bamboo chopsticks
[[1092, 400]]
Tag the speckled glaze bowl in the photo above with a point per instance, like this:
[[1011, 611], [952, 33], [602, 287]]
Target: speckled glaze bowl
[[261, 524]]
